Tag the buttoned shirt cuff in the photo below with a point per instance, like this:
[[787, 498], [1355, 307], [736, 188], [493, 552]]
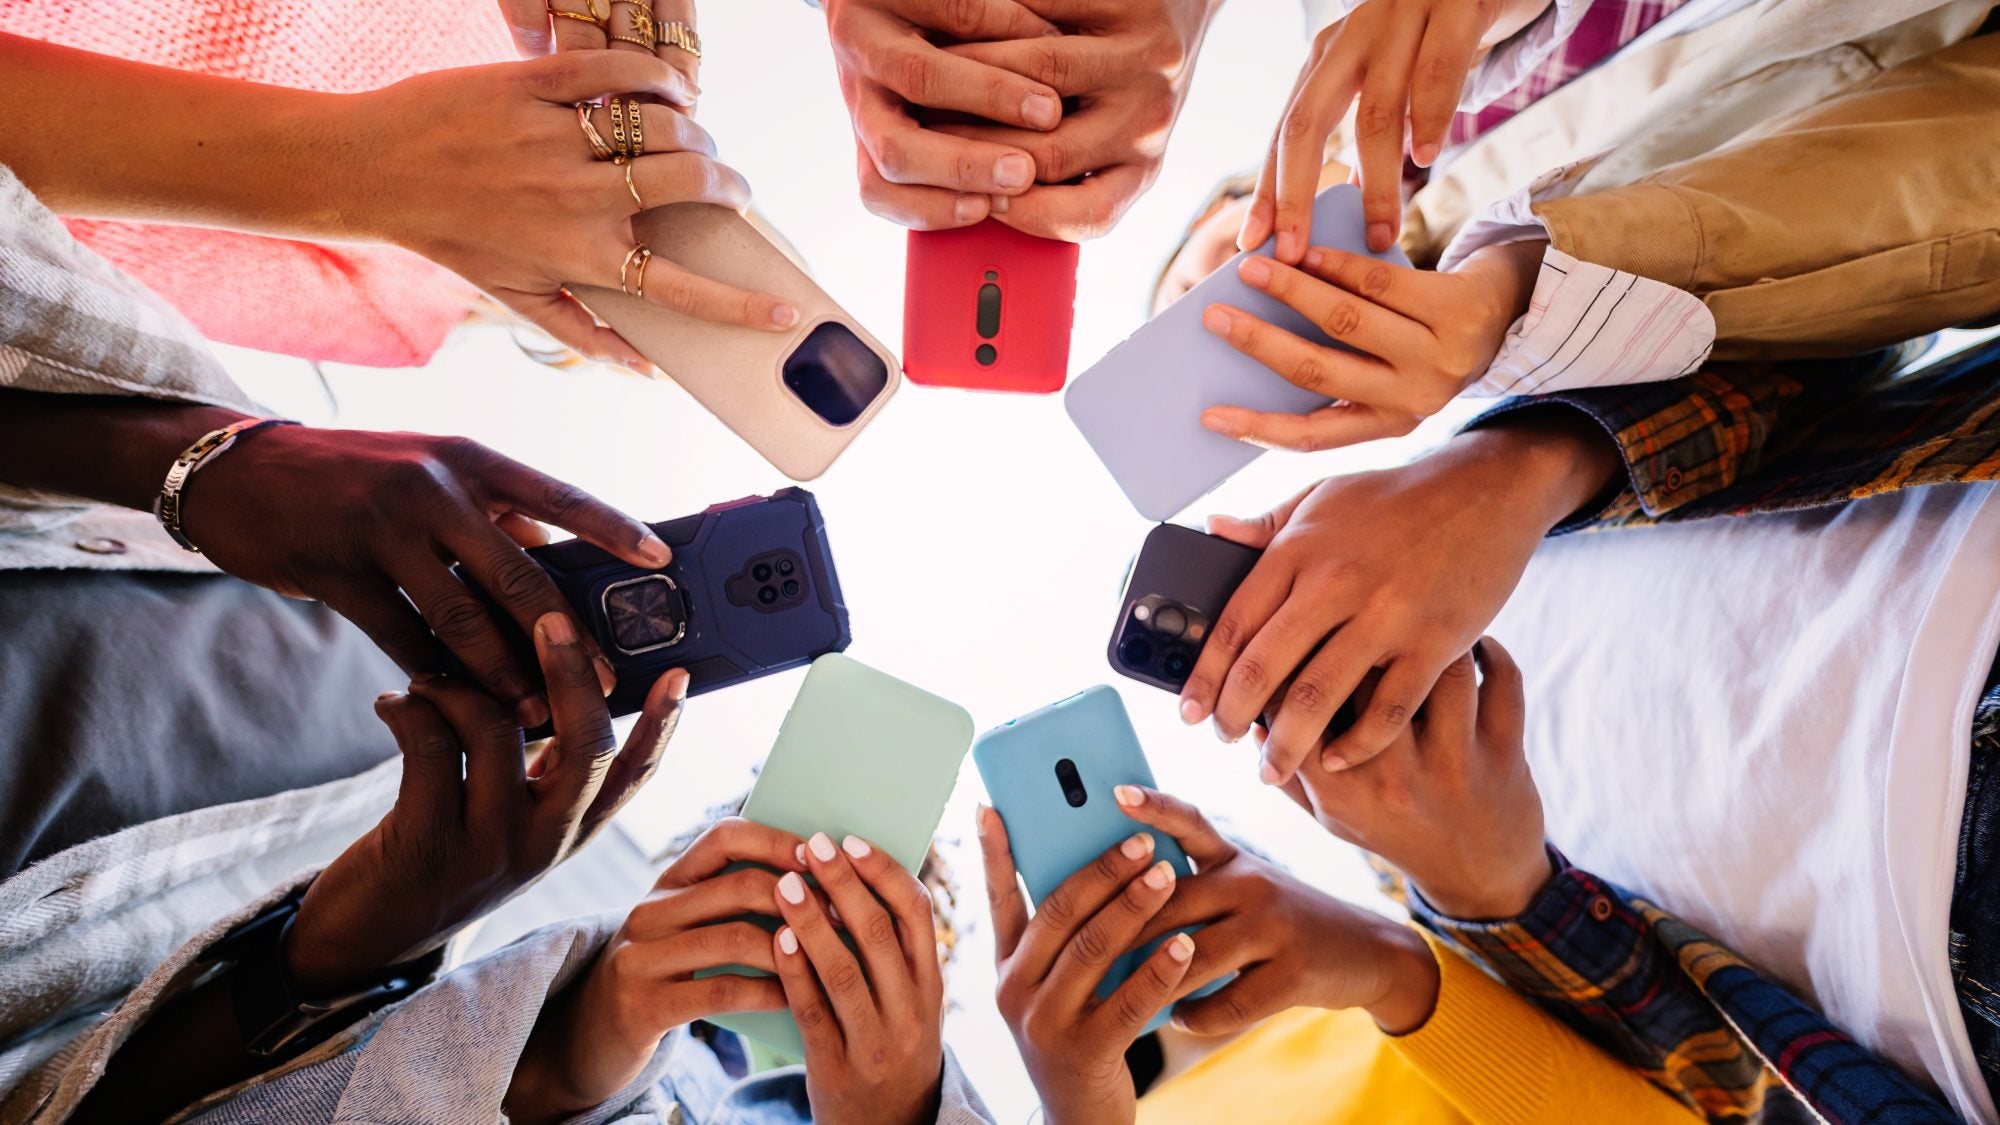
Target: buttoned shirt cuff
[[1576, 940], [1587, 325]]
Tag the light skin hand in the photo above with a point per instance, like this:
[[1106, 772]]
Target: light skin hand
[[537, 31], [1451, 802], [1289, 944], [873, 1036], [894, 73], [1420, 338], [1049, 968], [527, 211], [1449, 536], [1406, 61], [597, 1037], [1128, 67]]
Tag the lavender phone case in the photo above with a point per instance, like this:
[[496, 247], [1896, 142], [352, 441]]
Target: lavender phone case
[[1140, 406]]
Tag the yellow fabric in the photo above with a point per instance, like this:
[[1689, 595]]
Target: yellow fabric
[[1485, 1057]]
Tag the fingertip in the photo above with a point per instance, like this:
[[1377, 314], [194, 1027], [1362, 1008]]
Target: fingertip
[[1131, 796], [1219, 421], [1425, 154], [1380, 237], [1332, 762], [1192, 711], [1291, 244], [1181, 948], [1216, 319], [783, 316], [1269, 773], [676, 683], [788, 942]]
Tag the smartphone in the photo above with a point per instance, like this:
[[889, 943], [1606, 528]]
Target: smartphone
[[751, 590], [1050, 775], [797, 397], [988, 308], [860, 753], [1177, 587], [1140, 406]]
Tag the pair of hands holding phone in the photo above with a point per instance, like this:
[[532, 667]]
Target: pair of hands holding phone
[[871, 1017], [1456, 809]]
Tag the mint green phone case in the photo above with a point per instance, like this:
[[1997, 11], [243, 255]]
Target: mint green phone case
[[860, 753]]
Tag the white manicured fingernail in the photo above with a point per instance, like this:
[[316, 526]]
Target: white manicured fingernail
[[1161, 875], [800, 852], [856, 847], [1131, 796], [821, 846], [792, 889], [789, 941], [1181, 948]]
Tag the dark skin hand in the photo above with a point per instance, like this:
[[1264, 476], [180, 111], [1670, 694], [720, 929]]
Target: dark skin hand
[[471, 826], [355, 519], [1449, 536]]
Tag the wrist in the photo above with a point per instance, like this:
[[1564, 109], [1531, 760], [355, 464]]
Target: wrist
[[1410, 980], [1549, 462], [1500, 890]]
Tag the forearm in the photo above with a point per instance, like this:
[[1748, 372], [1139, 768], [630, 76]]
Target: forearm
[[190, 1047], [108, 138], [1547, 465], [114, 450]]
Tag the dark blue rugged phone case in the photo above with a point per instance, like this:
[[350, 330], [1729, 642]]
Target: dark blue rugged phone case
[[751, 591], [1052, 838]]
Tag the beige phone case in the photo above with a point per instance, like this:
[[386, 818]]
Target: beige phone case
[[738, 373]]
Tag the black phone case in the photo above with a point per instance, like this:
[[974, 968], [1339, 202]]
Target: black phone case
[[738, 617], [1184, 566]]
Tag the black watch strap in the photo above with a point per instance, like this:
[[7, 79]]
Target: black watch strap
[[274, 1020]]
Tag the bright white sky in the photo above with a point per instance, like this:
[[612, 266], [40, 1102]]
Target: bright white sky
[[980, 545]]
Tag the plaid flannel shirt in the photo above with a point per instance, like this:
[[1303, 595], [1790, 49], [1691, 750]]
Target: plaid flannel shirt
[[1735, 439]]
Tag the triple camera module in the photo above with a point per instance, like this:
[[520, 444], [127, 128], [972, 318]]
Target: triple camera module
[[1160, 639]]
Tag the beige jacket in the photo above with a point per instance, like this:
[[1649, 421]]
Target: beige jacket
[[1825, 180]]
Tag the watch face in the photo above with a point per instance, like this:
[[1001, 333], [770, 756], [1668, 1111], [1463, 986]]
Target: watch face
[[645, 613]]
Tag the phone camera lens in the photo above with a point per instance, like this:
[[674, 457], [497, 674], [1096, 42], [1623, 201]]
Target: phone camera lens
[[1178, 664], [786, 567], [1170, 621], [1072, 784], [791, 587], [1135, 652], [767, 595], [761, 572]]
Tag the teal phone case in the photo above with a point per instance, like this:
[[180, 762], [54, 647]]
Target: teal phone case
[[860, 753], [1053, 839]]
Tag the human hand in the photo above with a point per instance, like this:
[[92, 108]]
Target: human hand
[[1399, 569], [471, 825], [893, 71], [358, 520], [486, 171], [1129, 66], [1289, 944], [1421, 337], [594, 1040], [1072, 1042], [874, 1038], [589, 25], [1407, 59], [1451, 802]]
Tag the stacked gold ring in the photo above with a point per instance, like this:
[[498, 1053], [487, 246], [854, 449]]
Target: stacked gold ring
[[628, 132], [638, 255], [674, 33], [640, 29], [588, 15], [598, 149]]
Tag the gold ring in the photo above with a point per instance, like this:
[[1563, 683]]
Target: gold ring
[[632, 125], [617, 108], [674, 33], [598, 149], [637, 254], [588, 15], [632, 187]]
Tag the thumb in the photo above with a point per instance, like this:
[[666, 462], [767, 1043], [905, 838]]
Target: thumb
[[1257, 531]]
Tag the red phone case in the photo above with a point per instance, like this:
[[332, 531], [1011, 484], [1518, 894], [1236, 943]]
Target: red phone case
[[987, 308]]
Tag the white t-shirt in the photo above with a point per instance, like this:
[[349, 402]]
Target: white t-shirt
[[1764, 724]]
